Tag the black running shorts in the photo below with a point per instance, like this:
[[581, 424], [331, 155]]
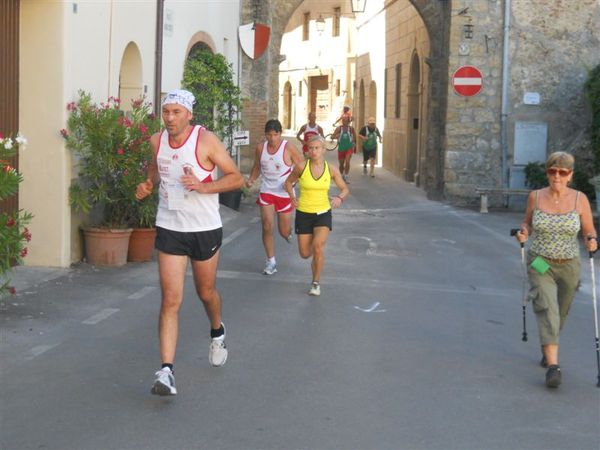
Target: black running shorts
[[306, 222], [198, 245]]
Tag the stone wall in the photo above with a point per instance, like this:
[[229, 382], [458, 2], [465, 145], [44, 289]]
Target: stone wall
[[552, 44]]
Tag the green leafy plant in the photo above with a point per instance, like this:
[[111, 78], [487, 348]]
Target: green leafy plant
[[14, 235], [535, 175], [113, 153], [218, 100], [592, 91]]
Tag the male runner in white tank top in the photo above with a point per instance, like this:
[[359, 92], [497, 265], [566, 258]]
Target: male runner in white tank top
[[188, 223], [273, 160]]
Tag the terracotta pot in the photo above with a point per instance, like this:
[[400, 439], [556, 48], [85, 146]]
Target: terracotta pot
[[141, 244], [105, 246]]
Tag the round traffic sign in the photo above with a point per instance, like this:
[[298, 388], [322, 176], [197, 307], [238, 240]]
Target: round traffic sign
[[467, 81]]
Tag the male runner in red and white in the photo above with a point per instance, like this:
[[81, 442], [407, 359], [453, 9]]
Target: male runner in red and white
[[274, 159], [309, 130], [188, 224]]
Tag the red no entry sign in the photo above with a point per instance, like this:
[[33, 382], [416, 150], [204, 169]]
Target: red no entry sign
[[467, 81]]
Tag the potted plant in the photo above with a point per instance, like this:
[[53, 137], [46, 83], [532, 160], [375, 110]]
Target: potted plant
[[143, 219], [218, 102], [14, 235], [112, 150]]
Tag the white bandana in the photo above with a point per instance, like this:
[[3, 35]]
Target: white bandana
[[180, 97]]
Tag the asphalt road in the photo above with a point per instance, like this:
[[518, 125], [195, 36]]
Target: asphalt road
[[415, 343]]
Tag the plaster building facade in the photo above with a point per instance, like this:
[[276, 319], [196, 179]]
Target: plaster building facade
[[107, 49], [318, 70]]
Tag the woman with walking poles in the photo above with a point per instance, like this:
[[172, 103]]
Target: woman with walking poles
[[554, 217], [313, 207]]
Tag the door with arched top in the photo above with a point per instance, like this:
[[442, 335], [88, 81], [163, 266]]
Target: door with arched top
[[130, 76]]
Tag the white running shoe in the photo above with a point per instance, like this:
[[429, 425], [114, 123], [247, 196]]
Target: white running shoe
[[164, 383], [270, 268], [217, 352], [315, 289]]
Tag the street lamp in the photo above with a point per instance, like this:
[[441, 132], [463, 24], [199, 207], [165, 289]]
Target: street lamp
[[320, 22], [358, 6]]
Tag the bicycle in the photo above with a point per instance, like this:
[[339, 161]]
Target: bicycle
[[331, 144]]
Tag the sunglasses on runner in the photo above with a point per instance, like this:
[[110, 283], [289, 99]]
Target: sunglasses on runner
[[562, 172]]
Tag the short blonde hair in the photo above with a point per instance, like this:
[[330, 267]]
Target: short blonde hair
[[316, 137], [562, 160]]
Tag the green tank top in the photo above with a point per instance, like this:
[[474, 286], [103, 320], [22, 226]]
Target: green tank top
[[345, 140], [371, 142]]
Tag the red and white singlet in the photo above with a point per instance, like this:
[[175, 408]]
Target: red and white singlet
[[308, 133], [274, 170], [178, 208]]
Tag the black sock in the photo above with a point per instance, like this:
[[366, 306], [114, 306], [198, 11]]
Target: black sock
[[218, 332], [170, 366]]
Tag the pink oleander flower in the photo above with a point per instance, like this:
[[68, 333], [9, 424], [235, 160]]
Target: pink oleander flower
[[72, 106], [26, 234], [23, 252], [10, 222], [120, 151], [64, 133], [12, 290]]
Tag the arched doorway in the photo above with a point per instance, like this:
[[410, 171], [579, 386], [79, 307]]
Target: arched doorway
[[287, 106], [130, 76], [413, 119]]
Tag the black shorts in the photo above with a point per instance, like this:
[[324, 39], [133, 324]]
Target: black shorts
[[368, 154], [198, 245], [306, 222]]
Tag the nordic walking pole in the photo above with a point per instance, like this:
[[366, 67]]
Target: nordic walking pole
[[513, 232], [591, 255]]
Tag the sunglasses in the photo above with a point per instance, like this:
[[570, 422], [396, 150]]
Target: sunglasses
[[562, 172]]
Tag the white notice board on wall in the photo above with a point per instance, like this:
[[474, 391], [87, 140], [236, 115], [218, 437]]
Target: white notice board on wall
[[531, 142]]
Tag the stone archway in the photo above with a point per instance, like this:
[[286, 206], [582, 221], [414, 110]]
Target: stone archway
[[130, 76], [260, 78], [413, 118]]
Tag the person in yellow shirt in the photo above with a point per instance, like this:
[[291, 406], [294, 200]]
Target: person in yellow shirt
[[313, 206]]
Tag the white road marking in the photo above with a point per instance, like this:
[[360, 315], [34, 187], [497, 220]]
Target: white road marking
[[234, 235], [38, 350], [104, 314], [142, 292], [373, 308]]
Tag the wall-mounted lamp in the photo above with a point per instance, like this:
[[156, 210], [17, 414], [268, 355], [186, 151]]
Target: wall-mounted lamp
[[320, 22], [358, 6]]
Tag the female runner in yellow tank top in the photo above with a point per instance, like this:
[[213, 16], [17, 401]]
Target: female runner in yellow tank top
[[313, 207]]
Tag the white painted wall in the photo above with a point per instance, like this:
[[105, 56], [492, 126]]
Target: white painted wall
[[183, 19]]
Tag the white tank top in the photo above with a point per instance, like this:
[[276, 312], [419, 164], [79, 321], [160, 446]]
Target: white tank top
[[310, 129], [178, 208], [274, 170]]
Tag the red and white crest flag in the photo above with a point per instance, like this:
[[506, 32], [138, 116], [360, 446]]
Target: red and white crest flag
[[254, 39]]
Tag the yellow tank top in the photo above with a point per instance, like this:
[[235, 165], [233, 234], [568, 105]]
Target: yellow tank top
[[314, 193]]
